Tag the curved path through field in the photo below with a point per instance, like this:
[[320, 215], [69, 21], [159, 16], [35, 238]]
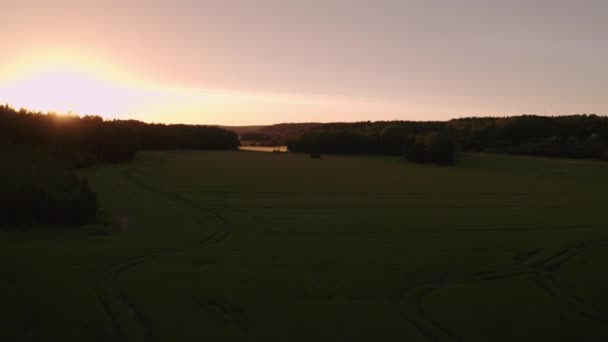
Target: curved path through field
[[114, 301]]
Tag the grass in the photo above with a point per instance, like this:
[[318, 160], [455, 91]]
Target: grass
[[274, 246]]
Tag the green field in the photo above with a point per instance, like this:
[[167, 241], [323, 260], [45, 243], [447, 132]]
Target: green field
[[281, 247]]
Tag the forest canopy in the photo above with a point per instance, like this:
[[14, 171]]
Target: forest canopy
[[573, 136]]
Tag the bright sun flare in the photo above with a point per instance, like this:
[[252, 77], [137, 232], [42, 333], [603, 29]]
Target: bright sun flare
[[68, 91], [67, 83]]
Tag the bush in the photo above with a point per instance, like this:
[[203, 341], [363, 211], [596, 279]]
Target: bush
[[415, 149], [441, 149], [433, 147], [36, 188]]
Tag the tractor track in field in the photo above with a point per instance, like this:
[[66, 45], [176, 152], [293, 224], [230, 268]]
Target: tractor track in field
[[547, 281], [542, 272], [108, 285], [413, 311], [30, 323], [523, 229], [117, 333]]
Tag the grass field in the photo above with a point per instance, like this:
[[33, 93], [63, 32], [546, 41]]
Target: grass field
[[281, 247]]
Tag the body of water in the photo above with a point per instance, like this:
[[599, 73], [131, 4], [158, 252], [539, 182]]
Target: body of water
[[264, 148]]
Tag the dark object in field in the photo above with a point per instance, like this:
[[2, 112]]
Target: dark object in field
[[315, 156]]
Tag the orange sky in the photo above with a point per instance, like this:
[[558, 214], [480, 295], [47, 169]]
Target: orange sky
[[268, 61]]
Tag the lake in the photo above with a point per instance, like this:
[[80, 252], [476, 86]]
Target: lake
[[264, 148]]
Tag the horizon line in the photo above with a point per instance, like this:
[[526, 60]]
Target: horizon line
[[457, 117]]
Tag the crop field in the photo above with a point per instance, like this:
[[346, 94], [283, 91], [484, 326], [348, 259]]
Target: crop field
[[214, 246]]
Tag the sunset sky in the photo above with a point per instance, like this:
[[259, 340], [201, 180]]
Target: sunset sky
[[268, 61]]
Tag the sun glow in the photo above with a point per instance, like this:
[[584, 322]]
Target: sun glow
[[66, 91], [73, 82], [69, 82]]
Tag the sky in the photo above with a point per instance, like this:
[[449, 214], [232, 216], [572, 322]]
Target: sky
[[268, 61]]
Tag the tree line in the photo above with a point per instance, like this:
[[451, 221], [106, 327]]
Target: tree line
[[90, 138], [573, 136], [420, 142]]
